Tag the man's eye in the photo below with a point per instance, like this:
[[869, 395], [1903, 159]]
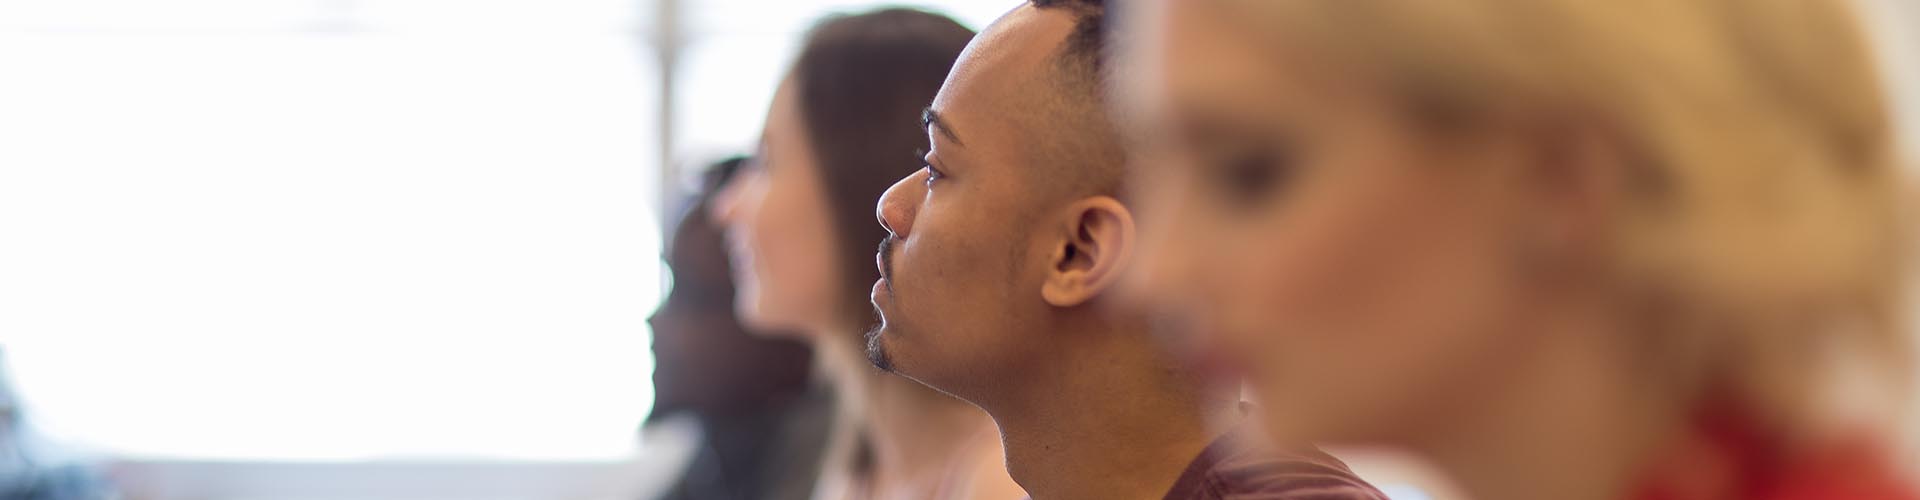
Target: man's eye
[[933, 174]]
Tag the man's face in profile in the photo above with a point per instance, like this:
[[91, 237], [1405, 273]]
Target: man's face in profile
[[959, 294]]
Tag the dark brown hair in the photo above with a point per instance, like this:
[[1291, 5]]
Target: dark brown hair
[[1086, 148], [1086, 48], [862, 81]]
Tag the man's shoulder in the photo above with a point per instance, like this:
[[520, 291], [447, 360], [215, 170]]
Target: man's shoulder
[[1241, 471], [1303, 472]]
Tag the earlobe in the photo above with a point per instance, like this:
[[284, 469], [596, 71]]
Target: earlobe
[[1060, 289], [1096, 240]]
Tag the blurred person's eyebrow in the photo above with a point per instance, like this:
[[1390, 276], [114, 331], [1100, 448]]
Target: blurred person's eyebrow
[[930, 120]]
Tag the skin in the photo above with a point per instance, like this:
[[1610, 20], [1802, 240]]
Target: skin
[[1388, 283], [781, 204], [777, 224], [996, 287]]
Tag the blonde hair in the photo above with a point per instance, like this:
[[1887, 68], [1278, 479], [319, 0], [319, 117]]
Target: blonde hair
[[1767, 192]]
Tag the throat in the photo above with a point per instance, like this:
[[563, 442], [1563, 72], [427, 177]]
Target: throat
[[917, 432], [1110, 429]]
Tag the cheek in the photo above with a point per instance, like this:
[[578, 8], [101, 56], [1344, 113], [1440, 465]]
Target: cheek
[[957, 283], [1372, 299], [1172, 232], [793, 260], [1195, 274], [936, 267]]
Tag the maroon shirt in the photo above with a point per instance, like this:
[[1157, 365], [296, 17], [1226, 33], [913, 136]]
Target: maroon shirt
[[1237, 468]]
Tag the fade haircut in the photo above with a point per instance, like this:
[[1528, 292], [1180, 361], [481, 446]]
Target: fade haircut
[[1090, 156], [1085, 49]]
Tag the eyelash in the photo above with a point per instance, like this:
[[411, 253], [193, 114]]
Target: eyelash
[[933, 173], [1249, 175]]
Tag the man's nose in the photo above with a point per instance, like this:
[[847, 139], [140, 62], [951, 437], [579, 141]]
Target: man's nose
[[899, 205]]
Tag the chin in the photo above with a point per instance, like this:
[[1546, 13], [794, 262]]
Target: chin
[[893, 357], [877, 350], [898, 358], [762, 319], [761, 327], [746, 306]]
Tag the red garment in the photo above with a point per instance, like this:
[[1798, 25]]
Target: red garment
[[1728, 458]]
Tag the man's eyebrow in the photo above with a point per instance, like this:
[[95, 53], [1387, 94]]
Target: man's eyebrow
[[930, 119]]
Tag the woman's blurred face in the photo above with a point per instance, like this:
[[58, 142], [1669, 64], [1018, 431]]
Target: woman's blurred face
[[779, 234], [1359, 269]]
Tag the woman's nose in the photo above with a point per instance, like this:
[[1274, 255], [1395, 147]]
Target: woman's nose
[[726, 201]]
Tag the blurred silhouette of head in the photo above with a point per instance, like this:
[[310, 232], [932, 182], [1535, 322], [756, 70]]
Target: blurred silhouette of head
[[840, 129], [1400, 215], [705, 361]]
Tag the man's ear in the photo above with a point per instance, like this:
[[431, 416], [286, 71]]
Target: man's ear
[[1095, 243]]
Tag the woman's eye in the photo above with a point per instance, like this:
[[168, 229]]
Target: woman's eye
[[1249, 175]]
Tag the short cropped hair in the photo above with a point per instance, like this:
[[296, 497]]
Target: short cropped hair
[[1078, 103]]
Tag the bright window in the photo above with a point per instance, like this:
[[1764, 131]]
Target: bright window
[[329, 230], [733, 62], [341, 229]]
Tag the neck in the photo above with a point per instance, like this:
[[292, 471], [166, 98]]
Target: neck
[[739, 441], [1114, 419], [1578, 421], [916, 430], [910, 430]]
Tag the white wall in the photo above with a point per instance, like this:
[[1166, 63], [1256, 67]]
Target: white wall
[[1896, 25], [1897, 29], [668, 447]]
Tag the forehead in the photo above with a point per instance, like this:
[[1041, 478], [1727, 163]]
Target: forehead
[[1196, 54], [1201, 65], [989, 95]]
